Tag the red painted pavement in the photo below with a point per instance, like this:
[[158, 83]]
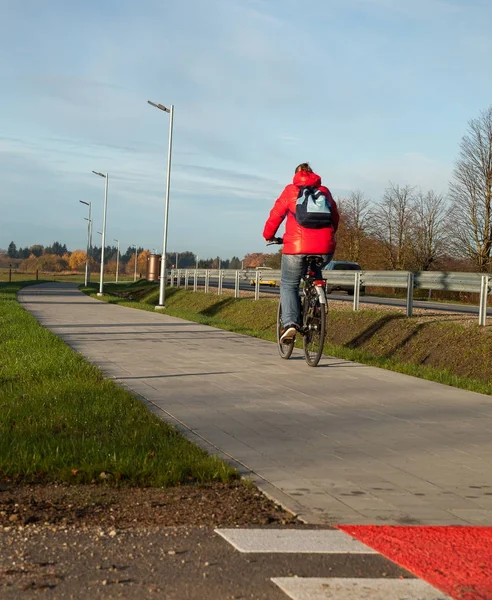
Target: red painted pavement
[[456, 560]]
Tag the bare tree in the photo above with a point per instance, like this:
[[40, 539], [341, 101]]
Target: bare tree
[[429, 229], [471, 194], [356, 216], [392, 222]]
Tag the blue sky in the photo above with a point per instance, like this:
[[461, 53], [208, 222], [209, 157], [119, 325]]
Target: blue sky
[[366, 90]]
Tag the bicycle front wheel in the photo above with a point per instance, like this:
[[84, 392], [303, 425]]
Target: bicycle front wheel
[[284, 349], [314, 330]]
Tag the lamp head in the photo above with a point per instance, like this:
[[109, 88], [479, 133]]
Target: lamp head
[[159, 106]]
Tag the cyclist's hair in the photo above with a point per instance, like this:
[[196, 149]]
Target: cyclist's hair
[[304, 167]]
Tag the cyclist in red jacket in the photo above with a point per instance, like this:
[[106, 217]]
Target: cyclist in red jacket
[[299, 242]]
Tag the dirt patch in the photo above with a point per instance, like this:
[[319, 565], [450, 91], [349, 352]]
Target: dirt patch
[[75, 506]]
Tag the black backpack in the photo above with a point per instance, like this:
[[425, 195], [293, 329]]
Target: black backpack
[[313, 209]]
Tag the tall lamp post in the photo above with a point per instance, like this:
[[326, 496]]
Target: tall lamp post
[[117, 258], [162, 283], [103, 241], [89, 226], [136, 257]]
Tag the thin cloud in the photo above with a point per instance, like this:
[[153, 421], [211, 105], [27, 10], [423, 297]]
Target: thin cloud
[[288, 138], [364, 89], [416, 8]]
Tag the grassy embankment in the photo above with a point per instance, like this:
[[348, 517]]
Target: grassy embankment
[[454, 352], [60, 420]]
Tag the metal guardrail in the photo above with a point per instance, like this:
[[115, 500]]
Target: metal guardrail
[[425, 280]]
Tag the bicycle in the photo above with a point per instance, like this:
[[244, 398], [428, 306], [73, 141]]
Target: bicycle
[[314, 308]]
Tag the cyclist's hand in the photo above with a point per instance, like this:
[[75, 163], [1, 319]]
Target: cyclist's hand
[[274, 240]]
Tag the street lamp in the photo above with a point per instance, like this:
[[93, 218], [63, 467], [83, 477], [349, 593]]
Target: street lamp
[[91, 223], [162, 285], [117, 257], [136, 256], [89, 227], [99, 233], [101, 277]]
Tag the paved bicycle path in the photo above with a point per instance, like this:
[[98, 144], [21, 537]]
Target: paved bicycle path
[[343, 443]]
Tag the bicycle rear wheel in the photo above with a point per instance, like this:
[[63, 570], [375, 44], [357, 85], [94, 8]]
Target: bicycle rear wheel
[[314, 327], [284, 349]]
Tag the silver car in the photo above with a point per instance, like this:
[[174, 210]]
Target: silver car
[[343, 265]]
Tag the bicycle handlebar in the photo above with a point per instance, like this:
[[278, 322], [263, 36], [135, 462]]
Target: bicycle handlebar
[[275, 240]]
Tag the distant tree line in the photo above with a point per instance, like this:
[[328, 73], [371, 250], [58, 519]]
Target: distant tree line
[[57, 258], [36, 250], [188, 260]]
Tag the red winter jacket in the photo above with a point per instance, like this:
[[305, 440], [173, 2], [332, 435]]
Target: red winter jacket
[[297, 239]]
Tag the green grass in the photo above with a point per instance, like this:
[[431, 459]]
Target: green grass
[[20, 277], [258, 319], [444, 376], [60, 420]]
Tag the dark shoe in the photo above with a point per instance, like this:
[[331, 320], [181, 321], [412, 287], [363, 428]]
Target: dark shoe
[[288, 334]]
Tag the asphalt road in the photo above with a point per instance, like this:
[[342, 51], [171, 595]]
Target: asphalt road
[[174, 563]]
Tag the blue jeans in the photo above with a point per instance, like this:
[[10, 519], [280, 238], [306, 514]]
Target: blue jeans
[[293, 268]]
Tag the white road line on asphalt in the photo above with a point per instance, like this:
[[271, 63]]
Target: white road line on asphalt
[[320, 588], [294, 541]]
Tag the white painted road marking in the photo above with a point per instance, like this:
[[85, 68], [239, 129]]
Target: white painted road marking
[[300, 541], [320, 588]]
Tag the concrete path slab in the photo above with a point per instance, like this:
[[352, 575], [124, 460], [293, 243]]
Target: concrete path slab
[[343, 443]]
